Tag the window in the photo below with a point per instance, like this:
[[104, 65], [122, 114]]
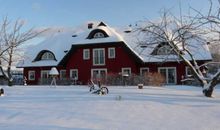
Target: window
[[62, 74], [31, 75], [98, 74], [126, 71], [98, 35], [164, 50], [74, 74], [86, 54], [99, 56], [188, 72], [45, 74], [144, 71], [111, 53], [169, 74], [47, 56]]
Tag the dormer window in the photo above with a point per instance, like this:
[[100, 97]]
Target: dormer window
[[98, 35], [47, 56], [164, 50]]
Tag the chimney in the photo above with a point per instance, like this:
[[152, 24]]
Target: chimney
[[90, 25]]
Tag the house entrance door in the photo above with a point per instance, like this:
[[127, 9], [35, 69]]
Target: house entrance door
[[169, 73]]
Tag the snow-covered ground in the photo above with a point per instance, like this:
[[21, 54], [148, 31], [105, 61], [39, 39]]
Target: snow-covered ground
[[74, 108]]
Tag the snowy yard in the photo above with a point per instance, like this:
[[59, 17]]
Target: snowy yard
[[74, 108]]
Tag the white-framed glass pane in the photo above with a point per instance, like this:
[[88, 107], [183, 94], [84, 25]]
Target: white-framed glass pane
[[99, 35], [47, 56], [86, 54], [164, 50], [98, 74], [111, 52], [144, 71], [31, 75], [169, 74], [99, 56], [74, 74], [126, 71], [188, 71]]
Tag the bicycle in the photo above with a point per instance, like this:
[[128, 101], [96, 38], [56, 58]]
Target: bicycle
[[97, 89]]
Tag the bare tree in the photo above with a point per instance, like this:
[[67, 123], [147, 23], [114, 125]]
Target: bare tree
[[177, 33], [12, 36]]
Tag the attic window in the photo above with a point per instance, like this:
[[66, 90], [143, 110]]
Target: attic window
[[47, 56], [164, 50], [98, 35]]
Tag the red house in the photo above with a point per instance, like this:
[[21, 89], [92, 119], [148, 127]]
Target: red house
[[98, 49]]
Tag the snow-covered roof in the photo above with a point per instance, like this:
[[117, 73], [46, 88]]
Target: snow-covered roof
[[137, 43], [60, 43]]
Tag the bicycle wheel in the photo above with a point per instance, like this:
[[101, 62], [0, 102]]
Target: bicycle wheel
[[91, 88], [103, 90]]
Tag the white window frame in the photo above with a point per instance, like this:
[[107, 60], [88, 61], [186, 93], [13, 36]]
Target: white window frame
[[143, 68], [47, 56], [61, 71], [175, 80], [29, 74], [77, 74], [46, 71], [98, 49], [164, 50], [127, 68], [105, 69], [109, 54], [186, 71], [86, 57], [99, 35]]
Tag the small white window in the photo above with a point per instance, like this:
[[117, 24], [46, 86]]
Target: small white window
[[98, 35], [111, 53], [144, 71], [62, 74], [31, 75], [188, 72], [126, 71], [86, 54], [74, 74]]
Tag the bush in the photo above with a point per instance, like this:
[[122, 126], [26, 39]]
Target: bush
[[156, 79], [151, 79]]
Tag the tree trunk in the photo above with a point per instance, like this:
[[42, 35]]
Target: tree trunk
[[208, 89], [208, 92], [10, 80]]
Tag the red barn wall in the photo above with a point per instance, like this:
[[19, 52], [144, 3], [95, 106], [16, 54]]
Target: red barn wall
[[122, 60]]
